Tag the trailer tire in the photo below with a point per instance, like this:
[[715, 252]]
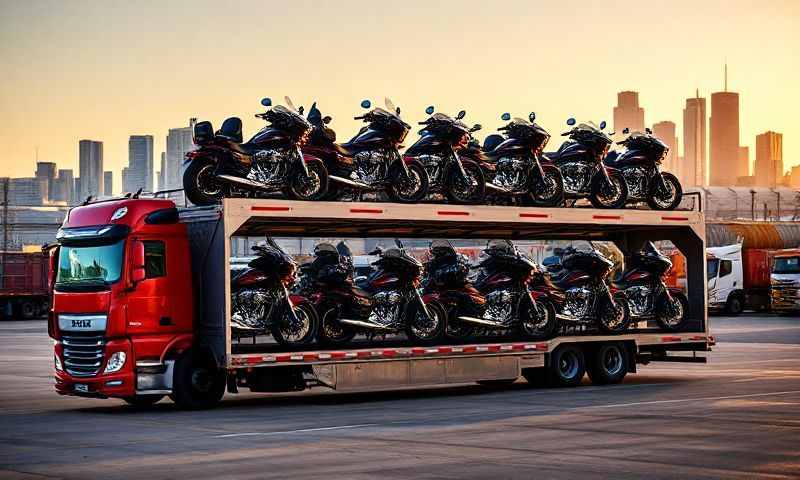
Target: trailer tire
[[567, 366], [734, 306], [197, 382], [27, 309], [143, 400], [609, 364]]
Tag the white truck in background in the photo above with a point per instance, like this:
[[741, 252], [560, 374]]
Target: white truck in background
[[738, 278]]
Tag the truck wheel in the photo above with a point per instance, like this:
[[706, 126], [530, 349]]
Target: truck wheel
[[197, 383], [27, 309], [734, 305], [567, 366], [609, 364], [143, 400]]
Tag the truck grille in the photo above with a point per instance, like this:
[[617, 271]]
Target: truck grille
[[83, 353]]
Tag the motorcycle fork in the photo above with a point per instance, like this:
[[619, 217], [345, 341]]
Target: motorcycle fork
[[660, 179], [290, 306], [457, 160], [302, 162], [403, 166], [422, 305], [604, 169]]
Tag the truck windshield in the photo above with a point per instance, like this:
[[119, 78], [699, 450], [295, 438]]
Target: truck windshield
[[787, 265], [89, 267], [713, 267]]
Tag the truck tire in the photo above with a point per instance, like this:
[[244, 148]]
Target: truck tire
[[734, 306], [567, 366], [143, 400], [197, 383], [609, 364], [27, 309]]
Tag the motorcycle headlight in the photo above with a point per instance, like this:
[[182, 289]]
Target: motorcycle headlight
[[115, 362], [57, 361]]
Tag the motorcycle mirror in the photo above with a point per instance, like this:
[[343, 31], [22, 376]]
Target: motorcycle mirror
[[650, 132], [366, 104], [626, 131], [397, 111], [266, 101], [476, 127], [602, 125], [300, 110], [398, 243], [461, 115], [570, 121], [532, 116], [430, 110], [505, 117], [326, 119]]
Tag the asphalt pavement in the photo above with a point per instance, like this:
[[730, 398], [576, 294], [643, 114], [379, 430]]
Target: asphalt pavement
[[735, 417]]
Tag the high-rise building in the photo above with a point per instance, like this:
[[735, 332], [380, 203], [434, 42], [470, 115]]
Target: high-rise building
[[666, 132], [29, 191], [46, 171], [692, 170], [140, 164], [628, 113], [90, 168], [726, 166], [179, 142], [769, 159], [160, 174], [64, 187], [108, 183]]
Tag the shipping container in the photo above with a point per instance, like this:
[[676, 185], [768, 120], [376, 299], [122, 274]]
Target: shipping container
[[23, 284]]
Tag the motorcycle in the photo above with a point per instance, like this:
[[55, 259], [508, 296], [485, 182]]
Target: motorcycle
[[388, 301], [261, 302], [640, 165], [646, 293], [461, 180], [370, 161], [587, 297], [514, 167], [503, 278], [580, 160], [446, 283], [269, 162]]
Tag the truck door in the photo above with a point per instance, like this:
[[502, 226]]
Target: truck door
[[150, 310], [725, 280]]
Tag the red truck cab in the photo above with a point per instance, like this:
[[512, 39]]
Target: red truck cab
[[122, 309]]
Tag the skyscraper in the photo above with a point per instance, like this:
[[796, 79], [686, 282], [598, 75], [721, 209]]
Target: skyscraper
[[769, 159], [46, 171], [666, 132], [179, 142], [139, 173], [726, 166], [108, 183], [692, 170], [66, 186], [90, 168], [627, 113]]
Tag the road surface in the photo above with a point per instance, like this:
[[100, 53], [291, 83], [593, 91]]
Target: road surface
[[736, 417]]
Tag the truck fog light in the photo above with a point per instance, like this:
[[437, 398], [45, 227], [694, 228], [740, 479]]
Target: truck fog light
[[57, 361], [115, 362]]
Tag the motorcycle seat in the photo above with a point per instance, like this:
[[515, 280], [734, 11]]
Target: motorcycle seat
[[243, 148], [552, 156]]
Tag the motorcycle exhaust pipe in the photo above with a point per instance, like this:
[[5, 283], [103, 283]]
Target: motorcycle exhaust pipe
[[349, 183], [497, 188], [243, 182], [482, 321], [363, 324]]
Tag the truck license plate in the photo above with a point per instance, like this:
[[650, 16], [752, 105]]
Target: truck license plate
[[82, 387]]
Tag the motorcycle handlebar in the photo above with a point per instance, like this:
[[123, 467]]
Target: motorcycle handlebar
[[359, 118]]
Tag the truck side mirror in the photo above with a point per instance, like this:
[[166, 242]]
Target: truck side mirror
[[52, 270], [137, 262]]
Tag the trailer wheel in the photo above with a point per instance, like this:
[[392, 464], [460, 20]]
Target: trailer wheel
[[567, 367], [734, 305], [143, 400], [27, 309], [197, 382], [609, 364]]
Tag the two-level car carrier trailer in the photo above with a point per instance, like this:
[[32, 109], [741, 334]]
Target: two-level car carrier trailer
[[189, 352]]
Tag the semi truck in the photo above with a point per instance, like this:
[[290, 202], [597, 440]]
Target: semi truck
[[142, 301], [23, 285], [785, 281], [738, 278]]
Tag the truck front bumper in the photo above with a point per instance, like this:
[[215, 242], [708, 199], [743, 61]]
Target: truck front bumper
[[121, 383], [785, 299]]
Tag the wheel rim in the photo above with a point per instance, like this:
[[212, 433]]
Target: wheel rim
[[297, 331], [307, 186], [568, 365], [466, 188], [201, 380], [547, 188], [675, 313], [537, 320], [409, 187], [610, 194], [664, 199], [205, 183], [332, 328], [426, 327], [614, 315], [612, 361]]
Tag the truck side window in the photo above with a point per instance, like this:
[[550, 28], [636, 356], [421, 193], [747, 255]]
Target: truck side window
[[725, 268], [155, 260]]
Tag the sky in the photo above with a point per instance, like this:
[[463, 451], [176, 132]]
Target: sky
[[105, 70]]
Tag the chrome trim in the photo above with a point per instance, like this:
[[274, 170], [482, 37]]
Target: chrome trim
[[76, 322]]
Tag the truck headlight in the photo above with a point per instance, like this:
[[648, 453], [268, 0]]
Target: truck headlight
[[57, 361], [115, 362]]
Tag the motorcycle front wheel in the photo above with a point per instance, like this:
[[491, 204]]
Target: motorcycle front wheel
[[672, 316], [604, 195], [426, 331], [549, 190], [469, 191], [539, 321], [409, 190], [614, 317], [669, 199], [312, 187], [332, 333], [199, 183], [291, 333]]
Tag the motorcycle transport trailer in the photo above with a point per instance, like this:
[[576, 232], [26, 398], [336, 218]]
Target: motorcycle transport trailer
[[173, 324]]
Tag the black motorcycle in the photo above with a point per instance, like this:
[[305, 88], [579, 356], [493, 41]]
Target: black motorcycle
[[580, 160], [514, 167], [370, 161], [640, 165], [647, 294], [587, 297], [503, 278], [268, 163], [461, 180], [261, 302]]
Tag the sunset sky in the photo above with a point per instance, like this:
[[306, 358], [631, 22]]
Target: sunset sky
[[104, 70]]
